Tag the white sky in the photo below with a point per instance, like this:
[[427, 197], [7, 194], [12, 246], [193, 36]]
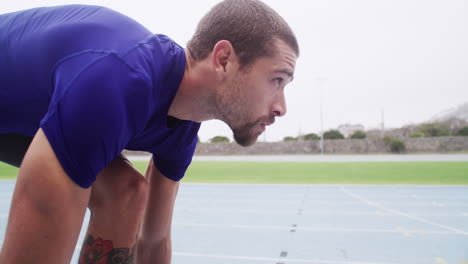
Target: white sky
[[408, 57]]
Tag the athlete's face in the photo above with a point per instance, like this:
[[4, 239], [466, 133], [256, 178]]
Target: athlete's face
[[253, 99]]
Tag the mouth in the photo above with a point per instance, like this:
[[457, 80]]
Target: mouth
[[263, 125], [269, 122]]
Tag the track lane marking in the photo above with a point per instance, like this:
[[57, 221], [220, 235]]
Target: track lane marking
[[314, 229], [396, 212], [266, 259]]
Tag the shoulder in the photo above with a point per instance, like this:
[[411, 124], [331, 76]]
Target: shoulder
[[100, 66], [104, 83], [161, 60], [73, 28], [159, 49]]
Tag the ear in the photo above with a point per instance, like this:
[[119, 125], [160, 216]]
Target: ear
[[224, 57]]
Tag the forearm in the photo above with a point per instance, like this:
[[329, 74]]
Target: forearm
[[156, 252]]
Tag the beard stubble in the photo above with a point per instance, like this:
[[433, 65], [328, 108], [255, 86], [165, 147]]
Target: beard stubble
[[233, 109]]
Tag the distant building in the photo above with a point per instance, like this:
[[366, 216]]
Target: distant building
[[348, 129]]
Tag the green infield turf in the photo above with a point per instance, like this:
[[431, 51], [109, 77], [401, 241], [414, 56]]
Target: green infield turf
[[330, 172], [315, 173]]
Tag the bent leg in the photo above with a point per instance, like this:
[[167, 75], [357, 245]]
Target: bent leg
[[47, 210], [117, 204]]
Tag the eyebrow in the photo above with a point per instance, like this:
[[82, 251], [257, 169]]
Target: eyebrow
[[287, 72]]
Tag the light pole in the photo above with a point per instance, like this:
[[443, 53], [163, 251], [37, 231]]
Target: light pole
[[321, 124], [383, 126], [321, 81]]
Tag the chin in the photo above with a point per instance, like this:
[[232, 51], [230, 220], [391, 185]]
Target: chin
[[247, 134], [245, 141]]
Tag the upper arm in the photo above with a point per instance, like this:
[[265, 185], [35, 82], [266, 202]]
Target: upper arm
[[97, 106], [41, 171], [173, 157]]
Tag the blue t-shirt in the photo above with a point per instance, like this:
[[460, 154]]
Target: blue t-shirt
[[96, 82]]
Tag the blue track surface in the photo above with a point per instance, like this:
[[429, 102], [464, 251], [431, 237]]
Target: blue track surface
[[329, 224]]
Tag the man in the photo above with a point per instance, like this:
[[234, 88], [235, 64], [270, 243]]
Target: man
[[78, 84]]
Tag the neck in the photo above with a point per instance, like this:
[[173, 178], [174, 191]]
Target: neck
[[194, 99]]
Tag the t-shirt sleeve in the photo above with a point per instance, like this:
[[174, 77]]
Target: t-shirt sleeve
[[97, 106], [174, 157]]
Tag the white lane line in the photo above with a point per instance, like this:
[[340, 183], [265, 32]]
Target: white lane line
[[139, 157], [437, 204], [419, 219], [311, 229], [370, 230], [240, 200], [181, 209], [270, 227], [286, 201], [184, 209], [288, 260], [79, 244], [440, 261]]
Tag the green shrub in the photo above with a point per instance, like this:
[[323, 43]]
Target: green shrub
[[397, 146], [219, 139], [333, 134], [442, 147], [416, 135], [311, 136], [359, 134], [463, 131], [289, 139], [433, 129], [387, 140]]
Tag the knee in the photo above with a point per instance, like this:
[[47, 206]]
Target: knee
[[120, 188], [134, 192]]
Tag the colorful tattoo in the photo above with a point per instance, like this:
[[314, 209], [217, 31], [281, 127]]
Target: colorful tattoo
[[99, 251]]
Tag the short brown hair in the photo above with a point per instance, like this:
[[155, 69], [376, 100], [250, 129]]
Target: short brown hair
[[249, 25]]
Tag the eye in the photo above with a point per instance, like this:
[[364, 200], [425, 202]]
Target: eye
[[278, 80]]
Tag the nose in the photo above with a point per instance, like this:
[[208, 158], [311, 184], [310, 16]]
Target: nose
[[279, 108]]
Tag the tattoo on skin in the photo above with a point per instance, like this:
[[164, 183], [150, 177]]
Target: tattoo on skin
[[99, 251]]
